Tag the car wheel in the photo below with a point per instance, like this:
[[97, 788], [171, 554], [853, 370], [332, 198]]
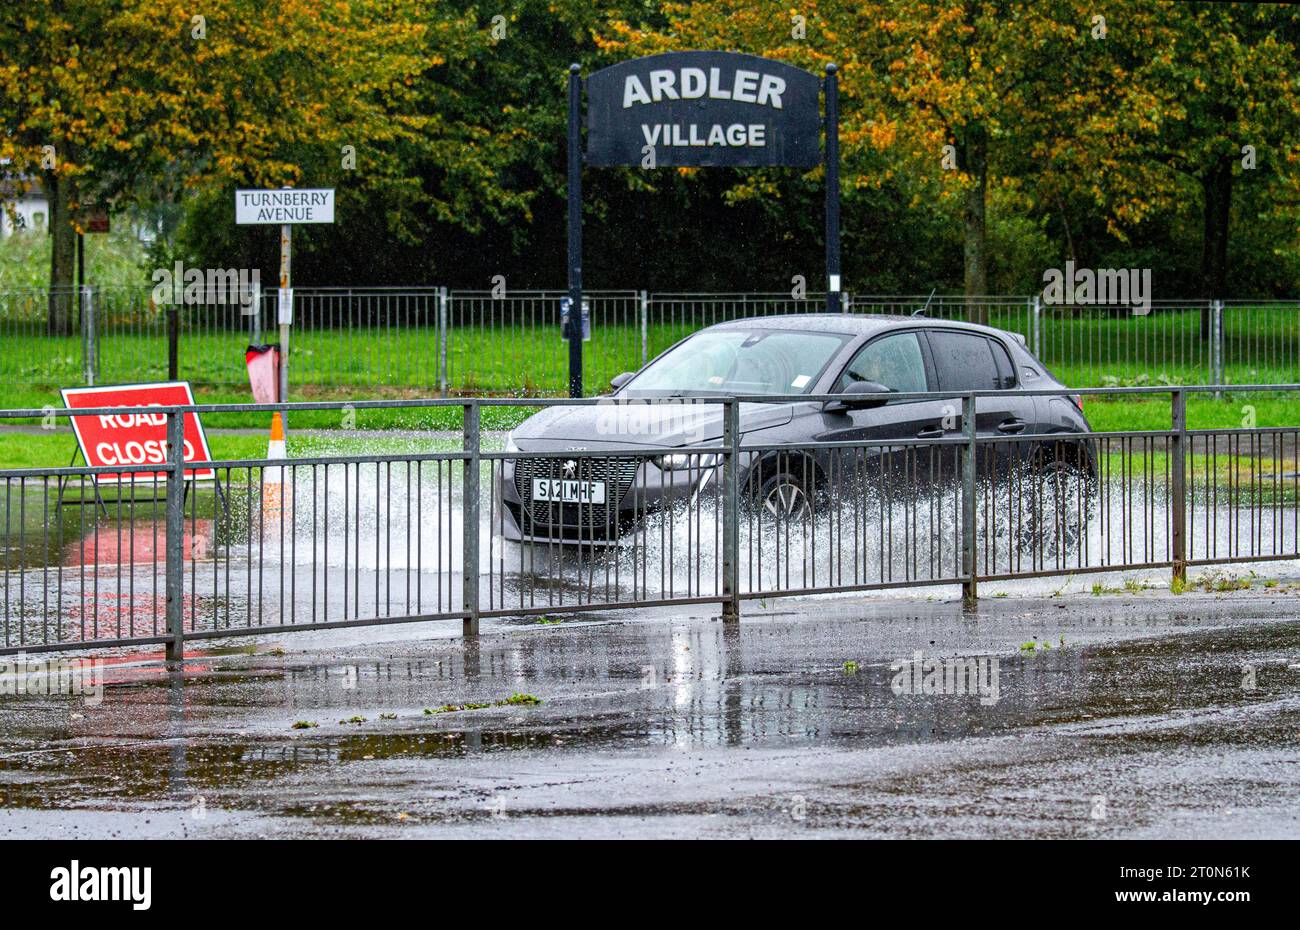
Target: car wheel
[[1060, 505], [782, 496]]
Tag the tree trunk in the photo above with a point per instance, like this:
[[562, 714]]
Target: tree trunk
[[975, 229], [1216, 185], [62, 296]]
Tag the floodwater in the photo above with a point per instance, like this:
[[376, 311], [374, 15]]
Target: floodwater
[[347, 543], [1149, 716]]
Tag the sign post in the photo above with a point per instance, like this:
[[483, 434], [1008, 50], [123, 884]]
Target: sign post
[[91, 218], [284, 310], [574, 334], [702, 109], [284, 207], [831, 89]]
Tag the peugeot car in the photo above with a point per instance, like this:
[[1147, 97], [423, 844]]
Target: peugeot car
[[580, 488]]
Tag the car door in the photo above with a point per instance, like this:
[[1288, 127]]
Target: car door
[[972, 361], [898, 359]]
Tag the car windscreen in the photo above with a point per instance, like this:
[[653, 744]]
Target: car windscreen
[[740, 361]]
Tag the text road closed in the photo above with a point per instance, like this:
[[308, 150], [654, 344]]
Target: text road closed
[[136, 437]]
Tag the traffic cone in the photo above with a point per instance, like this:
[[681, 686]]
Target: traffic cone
[[275, 495], [275, 448]]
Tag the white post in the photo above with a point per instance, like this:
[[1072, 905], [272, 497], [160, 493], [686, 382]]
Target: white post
[[1216, 345], [1036, 327], [285, 312], [90, 353], [645, 327], [442, 341]]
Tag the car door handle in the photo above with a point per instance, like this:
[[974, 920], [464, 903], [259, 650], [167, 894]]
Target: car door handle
[[932, 432], [1013, 425]]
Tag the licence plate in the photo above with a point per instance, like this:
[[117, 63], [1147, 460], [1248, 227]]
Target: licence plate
[[568, 491]]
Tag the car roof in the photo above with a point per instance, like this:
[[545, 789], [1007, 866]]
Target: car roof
[[850, 324]]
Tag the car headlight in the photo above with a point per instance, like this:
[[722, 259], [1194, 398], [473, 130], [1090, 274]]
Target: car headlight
[[675, 461], [510, 443]]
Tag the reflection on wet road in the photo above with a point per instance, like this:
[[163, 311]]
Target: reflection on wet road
[[1147, 716]]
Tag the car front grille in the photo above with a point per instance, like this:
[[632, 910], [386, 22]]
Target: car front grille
[[618, 474]]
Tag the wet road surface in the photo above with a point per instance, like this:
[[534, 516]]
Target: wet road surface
[[1150, 716]]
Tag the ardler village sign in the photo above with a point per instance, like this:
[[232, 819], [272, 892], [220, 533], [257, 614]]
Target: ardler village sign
[[703, 108], [700, 109]]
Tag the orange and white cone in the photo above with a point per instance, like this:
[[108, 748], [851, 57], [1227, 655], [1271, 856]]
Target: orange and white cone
[[275, 495]]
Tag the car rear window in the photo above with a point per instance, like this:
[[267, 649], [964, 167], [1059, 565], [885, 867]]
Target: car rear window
[[1006, 371], [964, 361]]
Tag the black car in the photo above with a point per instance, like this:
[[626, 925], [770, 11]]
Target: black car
[[595, 493]]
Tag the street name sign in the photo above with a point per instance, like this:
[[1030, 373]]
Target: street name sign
[[282, 206]]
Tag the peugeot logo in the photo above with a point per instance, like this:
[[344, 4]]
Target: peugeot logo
[[570, 468]]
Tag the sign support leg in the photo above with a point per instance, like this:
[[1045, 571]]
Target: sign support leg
[[833, 286], [575, 231]]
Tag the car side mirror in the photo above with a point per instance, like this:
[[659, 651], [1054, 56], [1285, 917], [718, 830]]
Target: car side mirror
[[851, 399], [618, 381]]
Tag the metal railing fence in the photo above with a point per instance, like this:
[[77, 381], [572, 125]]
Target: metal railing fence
[[475, 527], [355, 341]]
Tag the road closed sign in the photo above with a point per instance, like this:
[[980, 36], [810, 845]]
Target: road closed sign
[[138, 436]]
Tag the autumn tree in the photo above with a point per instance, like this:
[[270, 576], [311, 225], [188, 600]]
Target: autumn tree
[[1208, 102], [933, 90], [102, 94]]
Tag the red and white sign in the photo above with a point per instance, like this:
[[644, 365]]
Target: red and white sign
[[135, 438]]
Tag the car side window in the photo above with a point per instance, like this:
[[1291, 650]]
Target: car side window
[[894, 361], [964, 361], [1006, 371]]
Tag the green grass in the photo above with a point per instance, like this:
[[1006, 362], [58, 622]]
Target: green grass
[[1261, 345], [1107, 414], [336, 363], [401, 362], [528, 358], [54, 449], [417, 419], [36, 450]]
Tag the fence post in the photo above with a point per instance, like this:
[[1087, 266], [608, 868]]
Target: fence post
[[442, 341], [968, 502], [1217, 345], [731, 510], [1036, 325], [846, 304], [470, 514], [1178, 492], [173, 342], [255, 318], [645, 327], [174, 535], [89, 350]]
